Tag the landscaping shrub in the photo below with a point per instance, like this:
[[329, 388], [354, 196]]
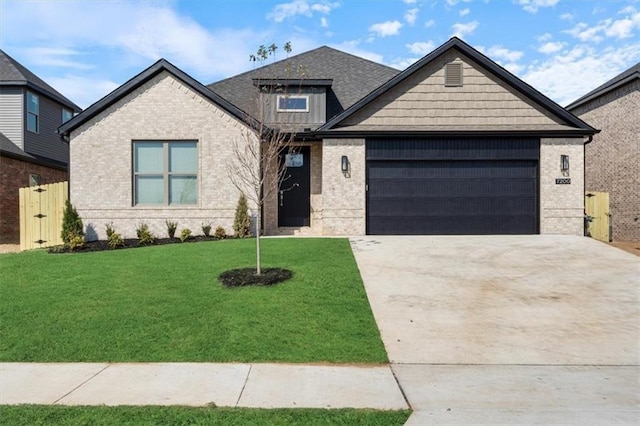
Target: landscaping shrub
[[72, 228], [144, 234], [206, 229], [185, 234], [171, 228], [242, 221], [109, 229], [220, 233]]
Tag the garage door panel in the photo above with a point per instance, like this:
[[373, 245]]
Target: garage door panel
[[459, 186]]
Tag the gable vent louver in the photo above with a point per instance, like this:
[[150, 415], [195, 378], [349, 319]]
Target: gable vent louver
[[453, 74]]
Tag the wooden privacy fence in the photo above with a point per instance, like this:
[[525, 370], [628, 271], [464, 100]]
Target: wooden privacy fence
[[41, 210], [596, 207]]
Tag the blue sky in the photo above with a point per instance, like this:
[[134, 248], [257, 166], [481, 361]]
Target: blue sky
[[85, 49]]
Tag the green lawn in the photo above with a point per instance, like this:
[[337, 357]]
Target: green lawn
[[33, 415], [164, 303]]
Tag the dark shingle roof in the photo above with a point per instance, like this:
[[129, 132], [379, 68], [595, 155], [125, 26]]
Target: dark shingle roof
[[8, 147], [14, 73], [353, 78], [617, 81]]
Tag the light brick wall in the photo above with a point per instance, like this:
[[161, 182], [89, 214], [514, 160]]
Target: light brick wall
[[613, 158], [561, 206], [343, 197], [161, 109]]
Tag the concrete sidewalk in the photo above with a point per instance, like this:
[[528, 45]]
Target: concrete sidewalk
[[201, 384]]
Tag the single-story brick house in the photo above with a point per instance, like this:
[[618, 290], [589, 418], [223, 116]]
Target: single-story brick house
[[613, 158], [454, 144]]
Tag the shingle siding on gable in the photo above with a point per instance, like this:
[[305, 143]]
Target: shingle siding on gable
[[161, 109], [47, 143], [613, 157], [423, 99], [11, 114]]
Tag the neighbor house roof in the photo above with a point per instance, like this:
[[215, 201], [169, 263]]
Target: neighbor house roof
[[353, 77], [13, 73], [578, 125], [9, 149], [621, 79], [160, 66]]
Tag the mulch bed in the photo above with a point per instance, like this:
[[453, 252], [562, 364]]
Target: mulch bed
[[101, 245], [247, 276]]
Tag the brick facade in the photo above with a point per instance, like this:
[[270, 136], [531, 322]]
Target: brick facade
[[613, 157], [14, 174], [162, 109]]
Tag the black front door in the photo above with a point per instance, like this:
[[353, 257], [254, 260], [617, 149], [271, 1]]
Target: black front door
[[293, 196]]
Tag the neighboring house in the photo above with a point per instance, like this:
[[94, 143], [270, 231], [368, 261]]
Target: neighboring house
[[454, 144], [31, 150], [613, 158]]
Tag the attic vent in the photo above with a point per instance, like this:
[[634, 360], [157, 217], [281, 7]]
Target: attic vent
[[453, 74]]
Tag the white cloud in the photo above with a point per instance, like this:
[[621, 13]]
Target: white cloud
[[403, 63], [461, 30], [498, 53], [55, 57], [551, 47], [544, 37], [294, 8], [388, 28], [454, 2], [323, 22], [430, 23], [410, 1], [465, 11], [566, 17], [353, 47], [568, 76], [82, 90], [411, 16], [532, 6], [421, 47], [618, 29]]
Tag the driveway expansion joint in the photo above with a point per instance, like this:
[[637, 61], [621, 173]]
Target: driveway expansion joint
[[81, 384]]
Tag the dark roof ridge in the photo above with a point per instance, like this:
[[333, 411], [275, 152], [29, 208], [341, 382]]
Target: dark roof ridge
[[30, 79]]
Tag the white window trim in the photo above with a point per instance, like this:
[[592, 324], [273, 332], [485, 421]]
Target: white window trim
[[36, 114], [305, 97]]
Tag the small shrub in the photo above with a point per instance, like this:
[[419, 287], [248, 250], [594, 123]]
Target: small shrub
[[242, 222], [171, 228], [109, 229], [206, 229], [145, 235], [115, 240], [185, 234], [220, 233], [72, 228]]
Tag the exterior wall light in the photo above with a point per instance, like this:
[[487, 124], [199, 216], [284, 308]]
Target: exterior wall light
[[564, 164], [344, 164]]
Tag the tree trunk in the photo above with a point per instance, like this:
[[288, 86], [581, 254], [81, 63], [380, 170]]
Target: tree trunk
[[258, 230]]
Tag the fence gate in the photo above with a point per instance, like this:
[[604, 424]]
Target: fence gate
[[41, 210], [596, 206]]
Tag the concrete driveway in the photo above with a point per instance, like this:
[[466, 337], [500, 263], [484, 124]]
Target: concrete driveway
[[522, 329]]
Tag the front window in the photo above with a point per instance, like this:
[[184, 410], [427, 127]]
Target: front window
[[165, 173], [287, 103], [66, 115], [33, 112]]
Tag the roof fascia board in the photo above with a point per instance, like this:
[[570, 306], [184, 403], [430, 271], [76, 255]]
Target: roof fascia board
[[338, 134], [146, 75], [481, 59]]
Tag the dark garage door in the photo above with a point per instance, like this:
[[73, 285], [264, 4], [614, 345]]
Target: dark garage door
[[452, 186]]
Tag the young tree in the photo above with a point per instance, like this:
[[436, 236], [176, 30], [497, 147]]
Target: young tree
[[256, 168]]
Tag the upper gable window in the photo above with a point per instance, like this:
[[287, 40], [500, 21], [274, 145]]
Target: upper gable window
[[33, 112], [66, 115], [453, 74], [289, 103]]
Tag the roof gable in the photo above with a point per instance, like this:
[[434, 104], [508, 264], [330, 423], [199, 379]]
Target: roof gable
[[515, 96], [160, 66], [14, 73], [621, 79], [352, 78]]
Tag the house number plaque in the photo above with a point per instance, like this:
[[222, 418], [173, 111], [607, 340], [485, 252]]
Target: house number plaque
[[563, 181]]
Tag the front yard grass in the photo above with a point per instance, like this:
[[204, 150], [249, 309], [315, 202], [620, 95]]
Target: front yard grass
[[165, 304], [61, 415]]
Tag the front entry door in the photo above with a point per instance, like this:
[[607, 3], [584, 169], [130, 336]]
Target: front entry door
[[293, 196]]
